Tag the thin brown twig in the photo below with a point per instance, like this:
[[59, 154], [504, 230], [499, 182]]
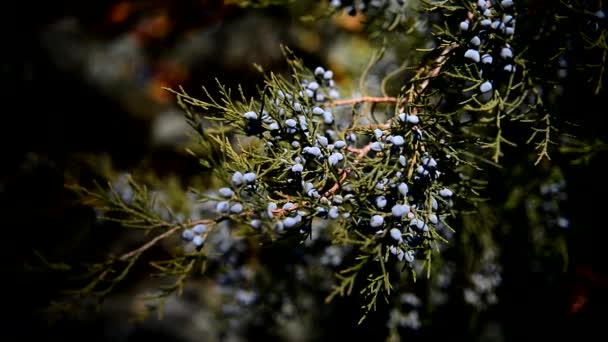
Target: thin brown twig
[[433, 73], [369, 99], [371, 126], [336, 186], [439, 63], [162, 236]]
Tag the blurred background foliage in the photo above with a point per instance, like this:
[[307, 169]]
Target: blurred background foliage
[[92, 75]]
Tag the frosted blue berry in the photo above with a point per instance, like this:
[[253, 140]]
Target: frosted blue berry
[[237, 179], [236, 208], [328, 75], [328, 117], [422, 226], [334, 94], [413, 119], [378, 133], [509, 68], [222, 207], [318, 111], [291, 123], [487, 13], [334, 213], [507, 19], [496, 24], [486, 22], [297, 168], [472, 54], [340, 144], [433, 219], [250, 116], [403, 189], [289, 222], [485, 87], [394, 250], [299, 215], [506, 53], [288, 206], [434, 204], [510, 31], [400, 255], [226, 192], [322, 140], [464, 25], [475, 41], [198, 241], [188, 235], [199, 229], [402, 118], [270, 208], [402, 161], [256, 224], [249, 177], [313, 193], [507, 3], [319, 71], [295, 144], [333, 160], [409, 256], [400, 210], [376, 146], [445, 192], [273, 126], [482, 4], [314, 151], [351, 137], [376, 221], [320, 211], [486, 59], [381, 184], [245, 297], [313, 85], [398, 140], [430, 162], [381, 202], [297, 107], [396, 235], [310, 93]]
